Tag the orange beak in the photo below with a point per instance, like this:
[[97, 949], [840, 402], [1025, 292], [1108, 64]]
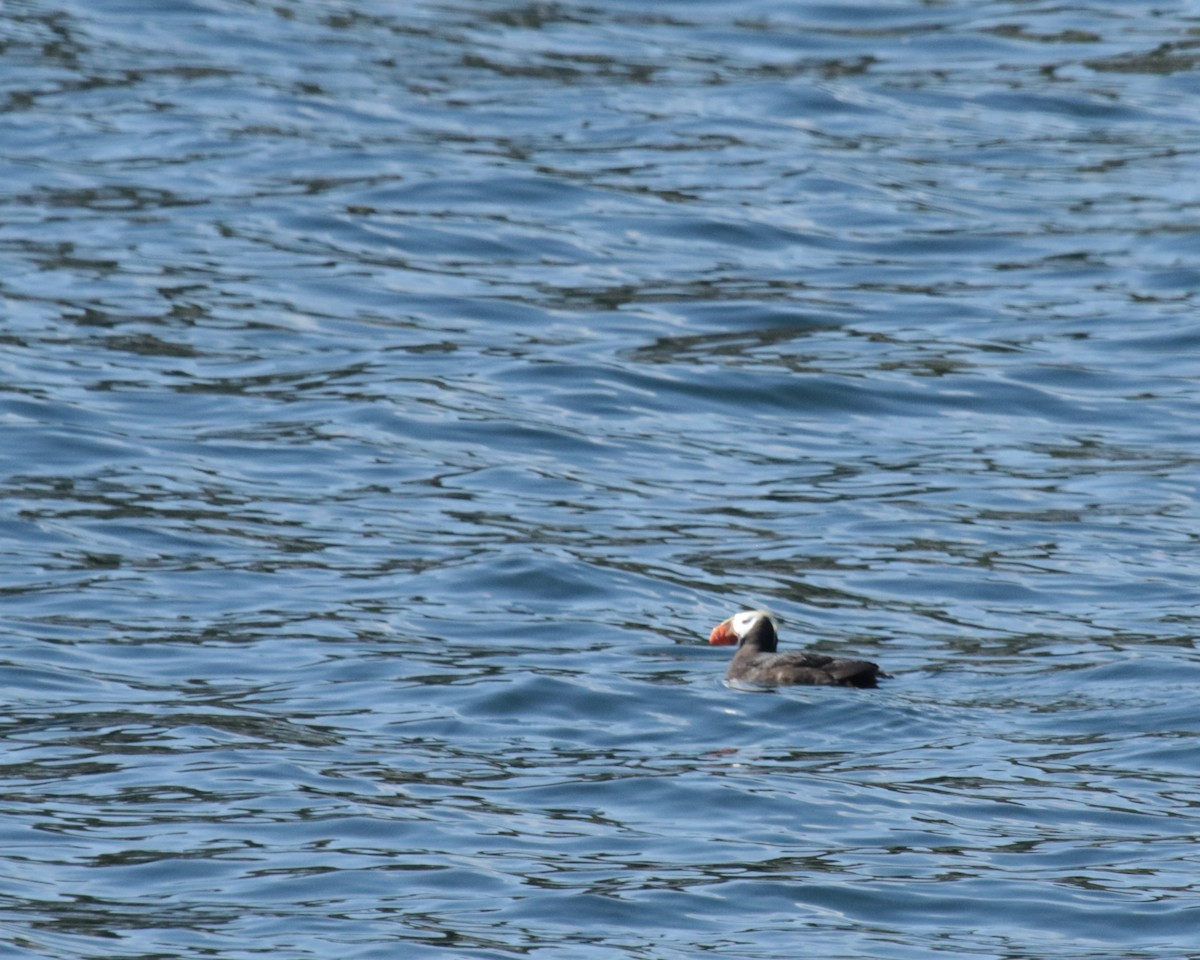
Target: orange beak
[[723, 635]]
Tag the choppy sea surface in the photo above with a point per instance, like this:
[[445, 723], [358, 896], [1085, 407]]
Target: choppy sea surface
[[393, 396]]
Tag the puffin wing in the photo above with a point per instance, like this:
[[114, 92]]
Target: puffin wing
[[815, 668]]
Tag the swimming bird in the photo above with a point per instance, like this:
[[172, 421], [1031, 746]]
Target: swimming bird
[[757, 662]]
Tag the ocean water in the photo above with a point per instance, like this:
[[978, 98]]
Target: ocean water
[[393, 396]]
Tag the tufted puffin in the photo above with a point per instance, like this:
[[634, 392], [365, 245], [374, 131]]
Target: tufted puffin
[[757, 662]]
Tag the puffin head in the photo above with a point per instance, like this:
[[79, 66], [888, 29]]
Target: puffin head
[[756, 627]]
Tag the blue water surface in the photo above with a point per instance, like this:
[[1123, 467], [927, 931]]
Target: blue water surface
[[394, 395]]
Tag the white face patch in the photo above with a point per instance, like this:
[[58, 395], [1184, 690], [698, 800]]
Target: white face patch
[[743, 621]]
